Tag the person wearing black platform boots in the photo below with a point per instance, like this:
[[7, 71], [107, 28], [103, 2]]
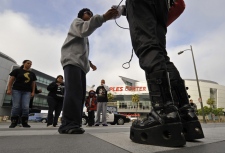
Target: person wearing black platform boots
[[172, 121]]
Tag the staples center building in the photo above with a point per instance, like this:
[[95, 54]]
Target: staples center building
[[123, 95]]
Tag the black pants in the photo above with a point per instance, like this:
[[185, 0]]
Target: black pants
[[74, 96], [147, 21], [91, 118], [53, 105]]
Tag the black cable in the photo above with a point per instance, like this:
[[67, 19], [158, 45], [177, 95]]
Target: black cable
[[128, 61], [132, 48], [119, 4]]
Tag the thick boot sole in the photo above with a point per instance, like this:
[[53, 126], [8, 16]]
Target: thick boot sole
[[193, 130], [12, 126], [168, 135]]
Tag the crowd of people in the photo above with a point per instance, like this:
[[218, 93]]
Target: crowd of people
[[148, 21]]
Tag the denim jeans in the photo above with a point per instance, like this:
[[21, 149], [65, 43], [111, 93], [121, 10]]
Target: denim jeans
[[20, 103]]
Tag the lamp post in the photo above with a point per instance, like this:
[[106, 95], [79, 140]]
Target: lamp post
[[200, 96]]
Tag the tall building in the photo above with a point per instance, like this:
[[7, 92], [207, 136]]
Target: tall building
[[43, 80]]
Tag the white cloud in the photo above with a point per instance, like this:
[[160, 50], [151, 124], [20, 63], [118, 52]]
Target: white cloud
[[200, 27], [21, 40]]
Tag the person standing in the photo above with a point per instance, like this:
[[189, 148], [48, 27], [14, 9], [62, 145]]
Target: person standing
[[193, 105], [22, 87], [55, 100], [102, 100], [75, 63], [37, 91], [91, 104], [171, 111]]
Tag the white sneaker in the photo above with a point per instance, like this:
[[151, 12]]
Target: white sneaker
[[50, 126]]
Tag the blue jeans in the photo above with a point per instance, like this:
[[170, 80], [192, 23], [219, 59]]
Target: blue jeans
[[20, 103]]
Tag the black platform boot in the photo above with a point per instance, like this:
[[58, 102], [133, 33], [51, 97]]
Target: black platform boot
[[163, 126], [14, 121], [25, 121], [191, 126]]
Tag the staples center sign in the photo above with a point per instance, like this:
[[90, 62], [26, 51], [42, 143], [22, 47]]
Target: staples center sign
[[128, 88]]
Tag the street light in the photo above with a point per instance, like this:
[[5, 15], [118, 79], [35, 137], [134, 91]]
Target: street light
[[200, 96]]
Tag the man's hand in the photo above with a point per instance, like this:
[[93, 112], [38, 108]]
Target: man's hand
[[93, 66], [120, 10], [110, 14]]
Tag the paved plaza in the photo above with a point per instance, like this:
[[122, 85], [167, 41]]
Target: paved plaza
[[111, 139]]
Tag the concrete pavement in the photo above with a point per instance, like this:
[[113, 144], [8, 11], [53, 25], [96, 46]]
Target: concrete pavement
[[111, 139]]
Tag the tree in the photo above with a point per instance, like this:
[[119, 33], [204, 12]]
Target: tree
[[211, 102], [135, 99], [218, 111], [207, 110], [110, 97]]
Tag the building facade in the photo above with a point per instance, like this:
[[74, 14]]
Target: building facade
[[7, 64], [123, 95]]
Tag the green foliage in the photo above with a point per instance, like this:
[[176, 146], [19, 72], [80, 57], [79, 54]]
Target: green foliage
[[211, 102], [208, 110], [135, 98], [218, 111], [110, 96]]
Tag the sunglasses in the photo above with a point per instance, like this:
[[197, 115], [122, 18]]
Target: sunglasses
[[88, 13]]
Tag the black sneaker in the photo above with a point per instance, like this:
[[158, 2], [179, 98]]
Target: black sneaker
[[104, 125], [72, 131], [96, 124]]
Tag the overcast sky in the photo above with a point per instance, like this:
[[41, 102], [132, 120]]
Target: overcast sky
[[36, 30]]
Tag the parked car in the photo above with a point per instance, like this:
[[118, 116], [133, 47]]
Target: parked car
[[38, 117], [112, 118], [133, 119]]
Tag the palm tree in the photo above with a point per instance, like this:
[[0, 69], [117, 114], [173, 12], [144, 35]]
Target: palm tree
[[110, 96], [135, 99]]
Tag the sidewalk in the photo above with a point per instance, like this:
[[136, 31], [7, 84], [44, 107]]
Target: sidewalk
[[111, 139]]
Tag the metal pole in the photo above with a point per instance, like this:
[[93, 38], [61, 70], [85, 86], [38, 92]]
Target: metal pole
[[200, 96]]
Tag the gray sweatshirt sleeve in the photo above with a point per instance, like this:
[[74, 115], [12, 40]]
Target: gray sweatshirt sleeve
[[83, 29]]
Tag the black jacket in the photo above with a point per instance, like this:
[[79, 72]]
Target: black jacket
[[56, 91]]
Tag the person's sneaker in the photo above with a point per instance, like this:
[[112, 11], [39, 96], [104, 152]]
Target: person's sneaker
[[49, 126], [104, 125], [96, 124], [72, 131]]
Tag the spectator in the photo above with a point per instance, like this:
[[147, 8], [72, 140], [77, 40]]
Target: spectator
[[75, 62], [193, 105], [22, 87], [91, 104], [102, 100], [37, 91], [30, 105], [55, 100]]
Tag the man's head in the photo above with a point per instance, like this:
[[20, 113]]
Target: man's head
[[102, 82], [85, 14]]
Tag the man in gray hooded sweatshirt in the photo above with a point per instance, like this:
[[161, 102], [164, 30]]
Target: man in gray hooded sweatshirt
[[75, 62]]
